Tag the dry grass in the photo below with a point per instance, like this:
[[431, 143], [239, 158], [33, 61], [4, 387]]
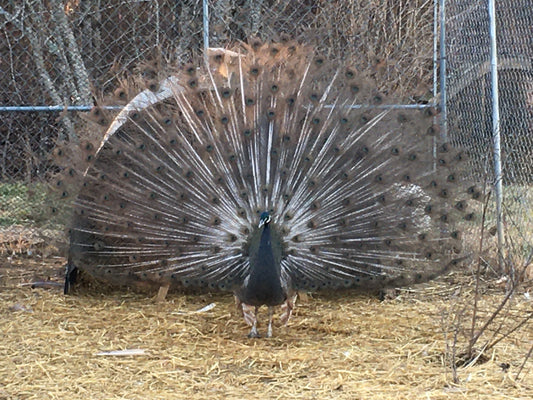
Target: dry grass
[[341, 347]]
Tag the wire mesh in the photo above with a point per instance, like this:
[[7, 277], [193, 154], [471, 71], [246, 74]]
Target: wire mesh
[[469, 105], [64, 53], [392, 39]]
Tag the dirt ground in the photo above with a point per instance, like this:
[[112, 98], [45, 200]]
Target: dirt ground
[[340, 346]]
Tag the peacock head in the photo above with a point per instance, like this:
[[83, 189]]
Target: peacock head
[[264, 219]]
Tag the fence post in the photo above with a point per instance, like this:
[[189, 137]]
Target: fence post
[[496, 129], [435, 47], [443, 109], [205, 8]]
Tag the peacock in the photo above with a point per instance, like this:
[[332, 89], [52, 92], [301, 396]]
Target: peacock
[[264, 170]]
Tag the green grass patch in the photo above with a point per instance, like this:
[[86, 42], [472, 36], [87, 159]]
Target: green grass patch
[[25, 204]]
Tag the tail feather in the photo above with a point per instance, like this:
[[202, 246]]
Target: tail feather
[[172, 191]]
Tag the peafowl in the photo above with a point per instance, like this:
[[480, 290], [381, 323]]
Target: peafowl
[[264, 171]]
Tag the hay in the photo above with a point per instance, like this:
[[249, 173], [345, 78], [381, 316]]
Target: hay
[[337, 347]]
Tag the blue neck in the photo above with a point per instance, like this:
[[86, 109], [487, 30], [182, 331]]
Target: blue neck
[[265, 263], [264, 282]]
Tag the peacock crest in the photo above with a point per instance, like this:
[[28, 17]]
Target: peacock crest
[[264, 171]]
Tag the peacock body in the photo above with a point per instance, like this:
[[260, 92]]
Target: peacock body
[[262, 174]]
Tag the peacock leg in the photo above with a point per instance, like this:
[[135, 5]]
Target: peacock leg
[[287, 308], [270, 315], [247, 312], [253, 332]]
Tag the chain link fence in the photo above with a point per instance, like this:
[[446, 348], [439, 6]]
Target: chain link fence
[[469, 104], [60, 53], [57, 54]]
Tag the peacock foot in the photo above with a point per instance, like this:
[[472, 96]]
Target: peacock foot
[[253, 333]]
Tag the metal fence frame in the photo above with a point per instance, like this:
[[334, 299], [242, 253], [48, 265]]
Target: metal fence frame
[[495, 110]]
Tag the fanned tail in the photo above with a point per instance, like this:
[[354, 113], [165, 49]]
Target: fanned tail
[[171, 194]]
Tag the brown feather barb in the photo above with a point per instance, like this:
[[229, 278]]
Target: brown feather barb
[[269, 168]]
